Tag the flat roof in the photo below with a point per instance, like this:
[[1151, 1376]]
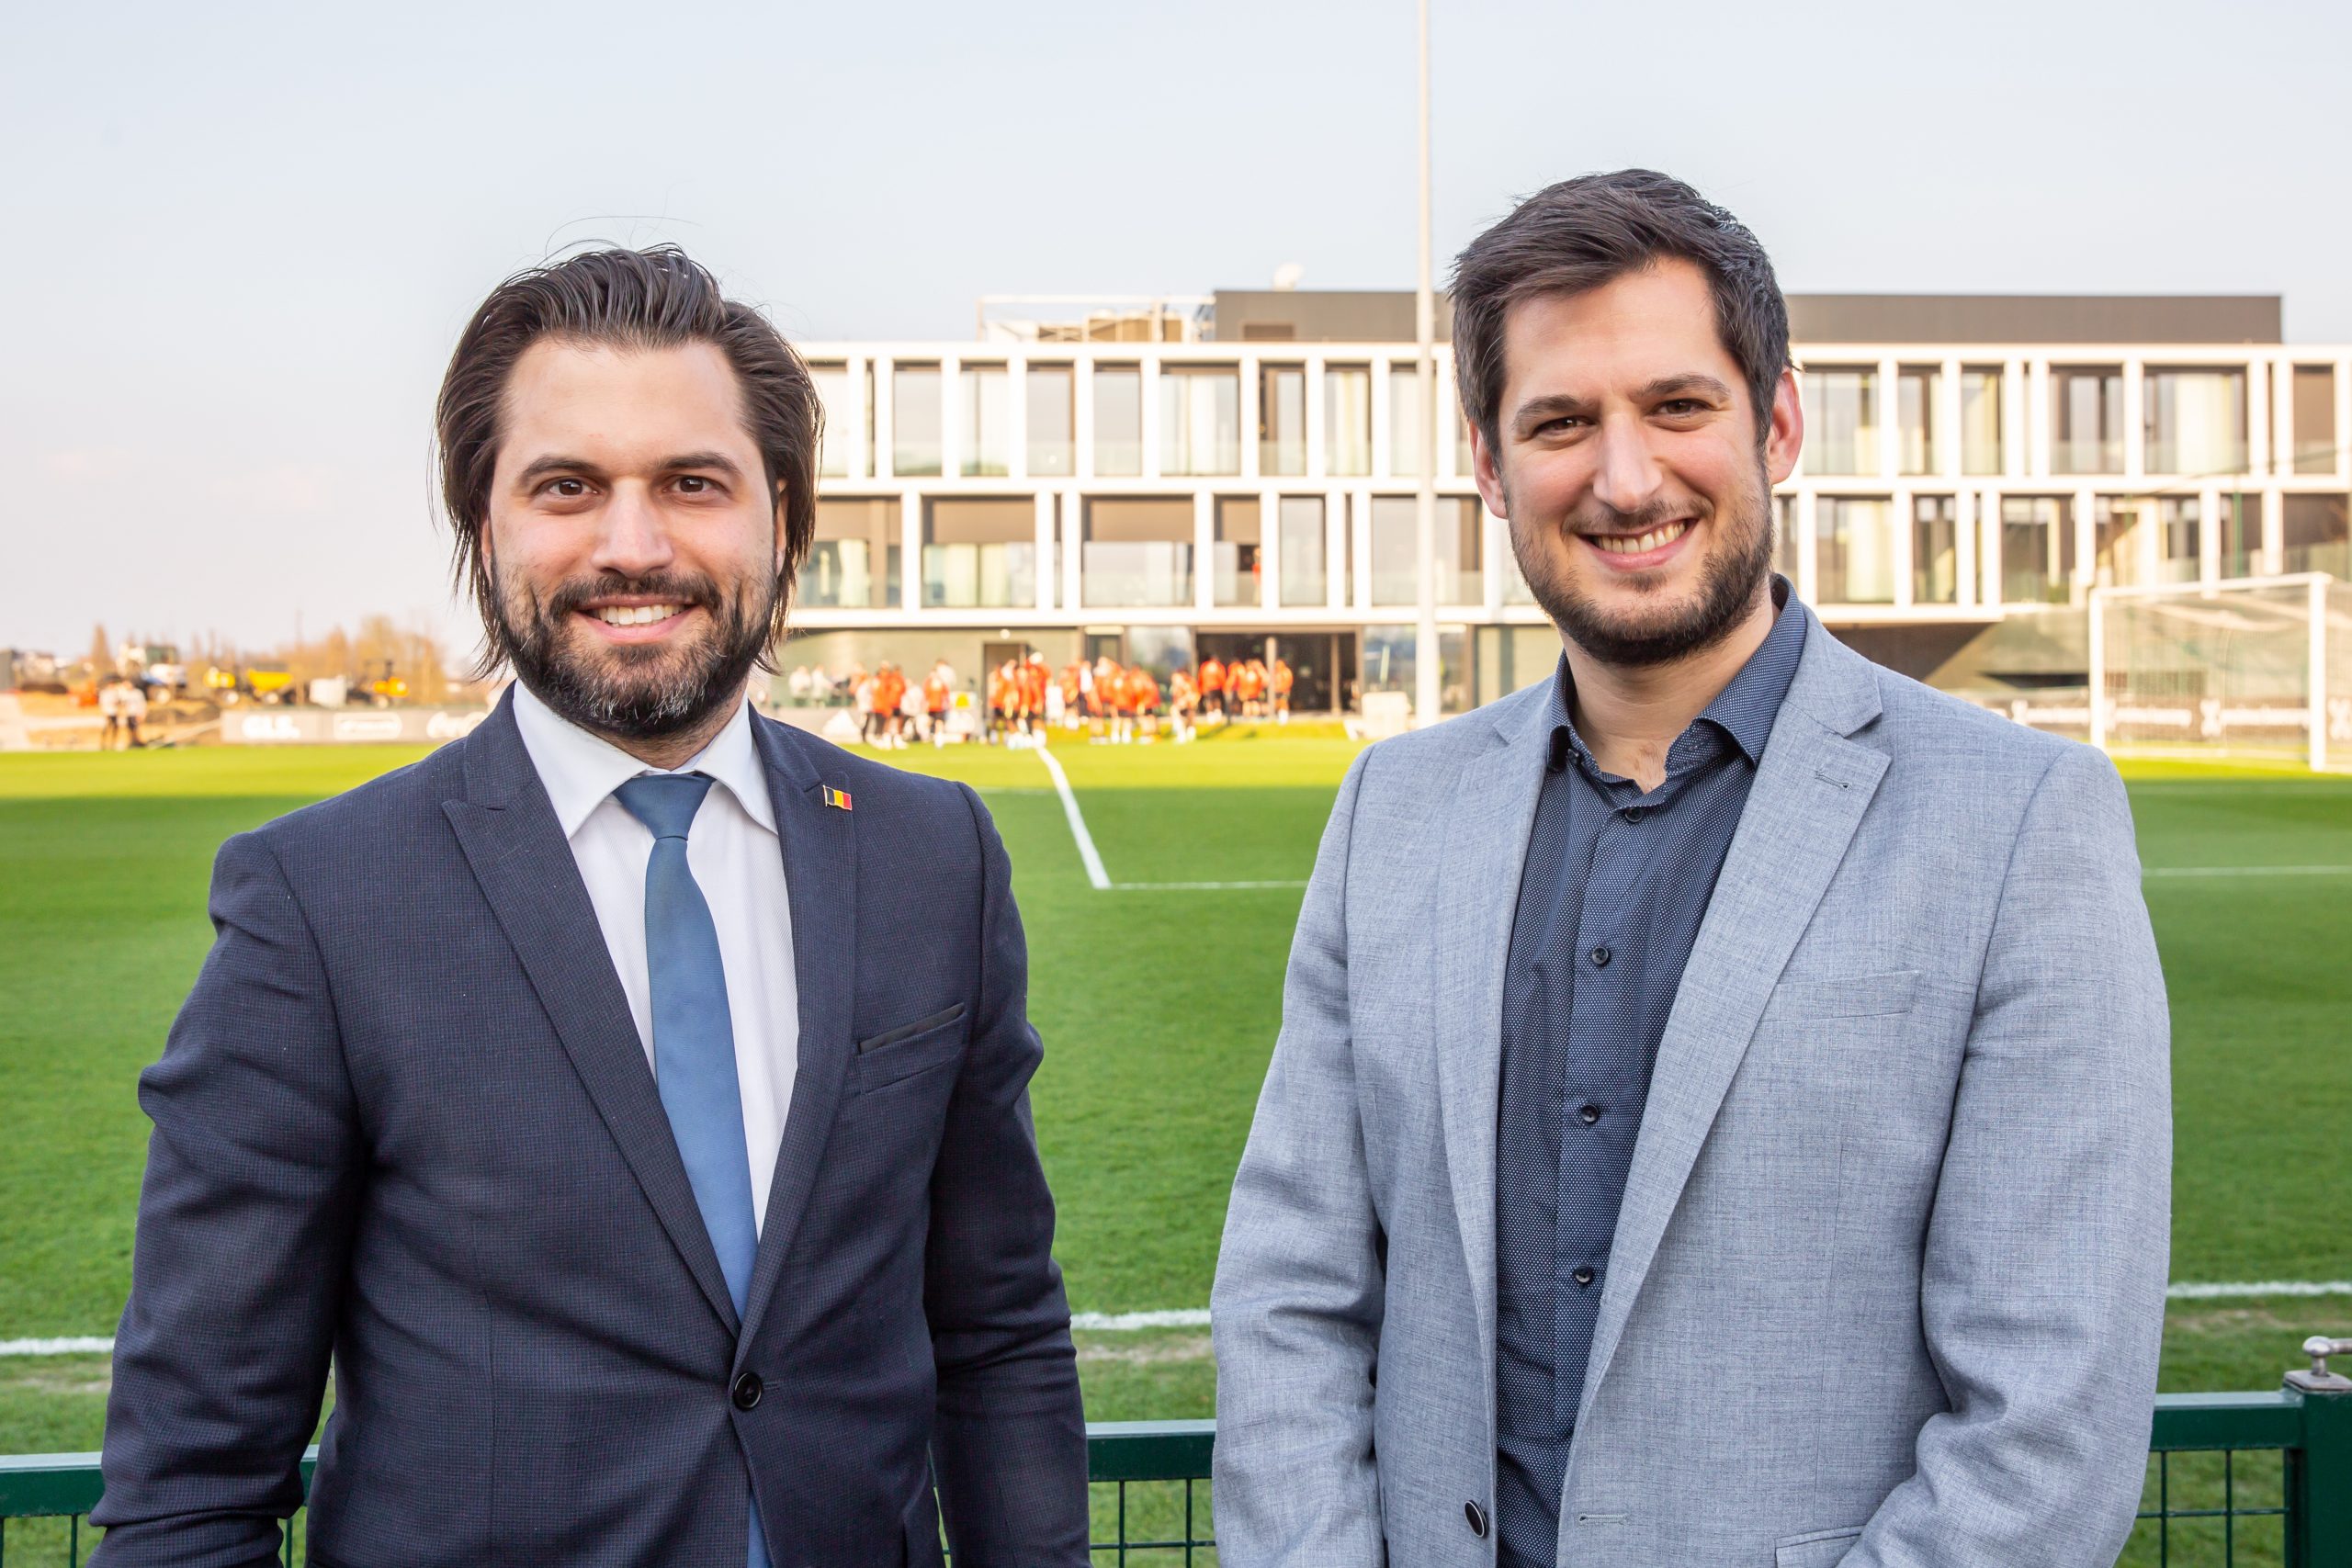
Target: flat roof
[[1303, 315]]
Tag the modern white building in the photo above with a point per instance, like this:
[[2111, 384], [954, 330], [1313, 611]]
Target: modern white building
[[1164, 478]]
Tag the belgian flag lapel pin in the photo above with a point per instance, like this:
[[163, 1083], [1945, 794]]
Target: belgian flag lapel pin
[[836, 797]]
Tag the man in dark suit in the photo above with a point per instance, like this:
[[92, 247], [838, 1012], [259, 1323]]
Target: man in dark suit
[[630, 1098]]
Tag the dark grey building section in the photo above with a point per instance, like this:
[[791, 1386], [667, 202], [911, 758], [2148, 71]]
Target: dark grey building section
[[2034, 318], [1321, 315], [1386, 316]]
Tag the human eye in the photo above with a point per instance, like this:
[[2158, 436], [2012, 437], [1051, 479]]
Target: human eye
[[565, 487]]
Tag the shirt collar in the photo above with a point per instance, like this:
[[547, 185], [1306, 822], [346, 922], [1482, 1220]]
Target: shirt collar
[[1745, 708], [581, 770]]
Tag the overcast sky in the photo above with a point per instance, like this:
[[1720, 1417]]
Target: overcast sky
[[242, 237]]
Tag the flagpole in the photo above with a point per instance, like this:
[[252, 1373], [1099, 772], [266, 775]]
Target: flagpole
[[1426, 674]]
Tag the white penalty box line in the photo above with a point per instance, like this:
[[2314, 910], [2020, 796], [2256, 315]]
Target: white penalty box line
[[1198, 1318], [1092, 858]]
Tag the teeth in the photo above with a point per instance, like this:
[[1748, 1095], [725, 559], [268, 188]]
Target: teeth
[[637, 615], [1649, 541]]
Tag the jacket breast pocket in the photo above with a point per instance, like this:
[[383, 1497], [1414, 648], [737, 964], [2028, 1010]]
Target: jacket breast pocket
[[898, 1054], [1822, 1548], [1884, 995]]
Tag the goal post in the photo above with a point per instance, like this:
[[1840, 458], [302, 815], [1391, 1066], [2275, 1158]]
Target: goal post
[[2252, 666]]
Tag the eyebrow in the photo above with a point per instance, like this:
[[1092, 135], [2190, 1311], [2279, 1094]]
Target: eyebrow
[[685, 462], [1667, 387]]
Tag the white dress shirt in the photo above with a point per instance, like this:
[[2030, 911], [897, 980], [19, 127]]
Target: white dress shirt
[[737, 859]]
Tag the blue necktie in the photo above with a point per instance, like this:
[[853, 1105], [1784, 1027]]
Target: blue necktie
[[694, 1038]]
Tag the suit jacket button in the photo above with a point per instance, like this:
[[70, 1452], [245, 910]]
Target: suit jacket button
[[1477, 1517], [747, 1391]]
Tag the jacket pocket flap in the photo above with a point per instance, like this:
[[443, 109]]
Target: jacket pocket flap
[[1860, 995], [909, 1031], [1821, 1548]]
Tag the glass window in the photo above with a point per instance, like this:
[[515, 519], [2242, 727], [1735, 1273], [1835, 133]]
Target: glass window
[[987, 422], [831, 382], [1841, 421], [1935, 550], [2315, 533], [1854, 549], [1784, 536], [1980, 420], [2115, 541], [2195, 421], [1347, 419], [1408, 431], [1305, 544], [1388, 663], [1915, 417], [2086, 421], [1282, 419], [1137, 553], [1200, 420], [2178, 518], [914, 420], [2314, 419], [2036, 548], [1237, 550], [853, 561], [1051, 437], [1118, 420], [2241, 522], [980, 553], [1460, 532], [1465, 461]]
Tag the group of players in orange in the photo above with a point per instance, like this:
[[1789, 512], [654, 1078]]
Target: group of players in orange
[[1117, 703]]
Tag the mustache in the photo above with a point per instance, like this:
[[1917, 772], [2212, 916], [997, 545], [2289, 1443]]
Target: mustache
[[1599, 517], [687, 587]]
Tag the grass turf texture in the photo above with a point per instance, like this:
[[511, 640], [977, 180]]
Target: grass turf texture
[[1158, 1009]]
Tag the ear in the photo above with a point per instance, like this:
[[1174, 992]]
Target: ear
[[1785, 439], [783, 495], [1485, 464]]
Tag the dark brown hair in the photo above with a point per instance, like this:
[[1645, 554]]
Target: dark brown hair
[[1584, 233], [650, 298]]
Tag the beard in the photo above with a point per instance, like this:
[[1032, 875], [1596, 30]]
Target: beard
[[640, 691], [1730, 579]]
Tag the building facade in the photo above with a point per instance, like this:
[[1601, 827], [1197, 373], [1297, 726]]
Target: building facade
[[1238, 476]]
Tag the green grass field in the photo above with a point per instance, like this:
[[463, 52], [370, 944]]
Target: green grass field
[[1158, 1009]]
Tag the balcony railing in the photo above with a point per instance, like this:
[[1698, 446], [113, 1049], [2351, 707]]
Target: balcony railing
[[2232, 1478]]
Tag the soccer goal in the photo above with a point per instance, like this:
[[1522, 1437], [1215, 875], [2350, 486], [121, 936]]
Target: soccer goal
[[2250, 667]]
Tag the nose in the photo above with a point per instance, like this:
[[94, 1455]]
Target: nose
[[633, 540], [1628, 475]]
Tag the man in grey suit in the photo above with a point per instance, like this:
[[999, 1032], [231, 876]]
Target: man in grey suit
[[1720, 1113]]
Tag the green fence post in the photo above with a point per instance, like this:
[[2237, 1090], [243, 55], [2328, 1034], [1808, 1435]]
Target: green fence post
[[2319, 1477]]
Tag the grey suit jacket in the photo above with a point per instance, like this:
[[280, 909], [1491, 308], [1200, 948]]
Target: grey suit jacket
[[1888, 1283]]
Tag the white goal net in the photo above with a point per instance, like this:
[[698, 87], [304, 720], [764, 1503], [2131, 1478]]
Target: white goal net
[[2253, 667]]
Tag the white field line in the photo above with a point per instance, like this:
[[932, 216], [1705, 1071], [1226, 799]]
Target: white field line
[[1194, 887], [2246, 871], [1092, 858], [1198, 1318], [1087, 853]]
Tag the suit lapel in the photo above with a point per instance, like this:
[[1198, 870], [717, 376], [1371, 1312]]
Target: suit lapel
[[1811, 789], [516, 848], [819, 846], [1490, 815]]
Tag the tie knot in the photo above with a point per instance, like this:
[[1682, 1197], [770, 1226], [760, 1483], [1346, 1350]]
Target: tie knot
[[665, 803]]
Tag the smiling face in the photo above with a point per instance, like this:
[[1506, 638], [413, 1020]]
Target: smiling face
[[1628, 462], [633, 541]]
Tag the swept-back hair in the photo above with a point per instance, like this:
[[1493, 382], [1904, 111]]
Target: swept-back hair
[[1581, 233], [639, 299]]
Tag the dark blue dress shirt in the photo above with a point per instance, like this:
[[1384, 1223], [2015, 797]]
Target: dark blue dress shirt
[[1615, 885]]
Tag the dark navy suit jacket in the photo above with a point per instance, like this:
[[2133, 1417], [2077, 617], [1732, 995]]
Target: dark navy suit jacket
[[405, 1123]]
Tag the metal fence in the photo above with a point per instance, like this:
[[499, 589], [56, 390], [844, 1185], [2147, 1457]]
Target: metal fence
[[2251, 1478]]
